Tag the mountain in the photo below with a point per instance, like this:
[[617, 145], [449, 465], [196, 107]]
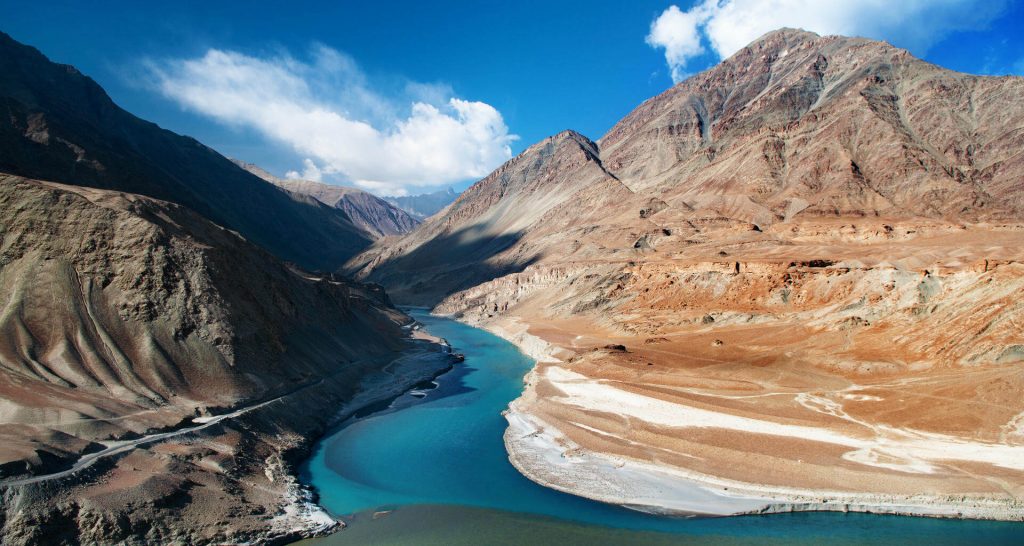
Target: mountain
[[59, 125], [376, 216], [163, 370], [790, 276], [424, 205], [801, 124], [117, 303], [125, 316], [501, 224], [793, 129]]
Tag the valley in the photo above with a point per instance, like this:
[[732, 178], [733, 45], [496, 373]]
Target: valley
[[162, 374], [746, 265], [788, 283]]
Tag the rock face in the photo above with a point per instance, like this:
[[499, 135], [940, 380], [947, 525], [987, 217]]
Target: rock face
[[820, 232], [156, 346], [424, 205], [124, 303], [534, 203], [797, 124], [59, 125], [377, 217], [124, 315]]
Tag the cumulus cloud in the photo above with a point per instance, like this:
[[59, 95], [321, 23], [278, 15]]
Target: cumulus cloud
[[309, 172], [679, 33], [326, 110], [729, 25]]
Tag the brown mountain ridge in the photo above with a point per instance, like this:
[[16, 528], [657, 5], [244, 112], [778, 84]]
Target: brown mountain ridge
[[376, 216], [808, 255], [59, 125], [163, 370]]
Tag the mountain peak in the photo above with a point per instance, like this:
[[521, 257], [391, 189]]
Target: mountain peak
[[785, 35], [778, 43], [570, 134], [378, 217], [546, 146], [761, 104]]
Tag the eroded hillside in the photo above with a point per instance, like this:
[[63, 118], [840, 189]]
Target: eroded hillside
[[59, 125], [124, 316], [787, 282]]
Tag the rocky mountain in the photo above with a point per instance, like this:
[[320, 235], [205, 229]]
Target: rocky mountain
[[162, 371], [376, 216], [797, 124], [501, 224], [124, 316], [424, 205], [125, 303], [793, 127], [59, 125], [789, 275]]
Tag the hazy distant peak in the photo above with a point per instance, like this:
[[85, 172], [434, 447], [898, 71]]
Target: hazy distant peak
[[374, 215], [425, 204]]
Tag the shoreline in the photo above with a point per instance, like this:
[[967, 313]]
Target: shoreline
[[280, 435], [304, 498], [547, 457]]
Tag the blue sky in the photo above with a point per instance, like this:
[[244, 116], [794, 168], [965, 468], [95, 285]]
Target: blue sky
[[327, 89]]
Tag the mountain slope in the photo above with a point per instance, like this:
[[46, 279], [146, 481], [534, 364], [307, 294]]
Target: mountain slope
[[124, 315], [795, 128], [532, 205], [163, 370], [59, 125], [801, 124], [790, 277], [374, 215]]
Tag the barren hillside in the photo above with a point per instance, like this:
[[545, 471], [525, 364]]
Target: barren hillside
[[374, 215], [808, 253], [59, 125]]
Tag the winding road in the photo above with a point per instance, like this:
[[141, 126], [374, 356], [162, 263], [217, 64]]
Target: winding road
[[115, 448], [200, 423]]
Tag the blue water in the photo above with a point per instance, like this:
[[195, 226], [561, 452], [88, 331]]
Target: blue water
[[446, 449]]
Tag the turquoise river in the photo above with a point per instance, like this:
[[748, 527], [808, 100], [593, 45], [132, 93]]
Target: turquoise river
[[433, 470]]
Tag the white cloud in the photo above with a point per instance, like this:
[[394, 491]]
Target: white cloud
[[309, 172], [326, 110], [729, 25], [678, 32]]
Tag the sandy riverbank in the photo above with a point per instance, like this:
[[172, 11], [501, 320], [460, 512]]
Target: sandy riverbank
[[542, 452]]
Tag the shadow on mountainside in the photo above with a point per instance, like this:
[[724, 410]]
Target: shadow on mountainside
[[447, 264], [58, 125]]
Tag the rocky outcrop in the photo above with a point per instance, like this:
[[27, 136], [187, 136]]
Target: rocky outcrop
[[494, 297]]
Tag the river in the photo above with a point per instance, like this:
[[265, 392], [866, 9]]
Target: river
[[430, 467]]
